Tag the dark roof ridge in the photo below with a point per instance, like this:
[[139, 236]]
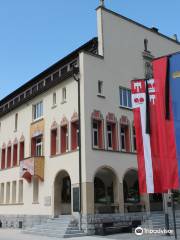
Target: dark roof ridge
[[39, 77]]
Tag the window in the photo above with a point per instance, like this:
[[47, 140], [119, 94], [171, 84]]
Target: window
[[40, 85], [39, 146], [97, 132], [2, 193], [14, 192], [34, 89], [35, 189], [125, 138], [53, 141], [15, 151], [56, 76], [16, 122], [8, 192], [54, 99], [146, 45], [21, 151], [97, 129], [100, 87], [64, 94], [64, 139], [134, 139], [74, 135], [125, 97], [64, 70], [9, 157], [38, 110], [20, 195], [109, 136], [3, 158]]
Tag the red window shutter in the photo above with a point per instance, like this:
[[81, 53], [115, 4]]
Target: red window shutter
[[100, 134], [21, 151], [73, 136], [63, 138], [3, 158], [33, 147], [15, 147], [53, 141], [9, 157]]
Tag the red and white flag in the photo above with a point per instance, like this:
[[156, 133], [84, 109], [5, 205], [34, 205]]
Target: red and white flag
[[155, 148], [145, 167]]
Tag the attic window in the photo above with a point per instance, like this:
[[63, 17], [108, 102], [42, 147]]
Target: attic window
[[41, 85], [56, 76], [34, 89], [48, 80], [16, 100], [64, 70], [11, 104], [28, 93], [21, 96]]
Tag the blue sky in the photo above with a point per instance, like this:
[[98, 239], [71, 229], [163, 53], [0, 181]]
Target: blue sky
[[37, 33]]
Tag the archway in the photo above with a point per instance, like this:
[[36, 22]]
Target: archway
[[131, 191], [62, 194], [156, 201], [105, 191]]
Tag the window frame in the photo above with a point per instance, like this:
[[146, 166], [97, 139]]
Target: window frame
[[39, 146], [93, 131], [111, 133], [54, 99], [37, 111], [123, 135], [100, 87], [64, 94], [128, 97]]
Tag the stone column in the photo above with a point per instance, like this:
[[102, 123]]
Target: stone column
[[145, 199], [121, 198], [88, 198]]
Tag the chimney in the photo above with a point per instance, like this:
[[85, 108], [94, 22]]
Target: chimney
[[102, 3], [175, 37], [155, 29]]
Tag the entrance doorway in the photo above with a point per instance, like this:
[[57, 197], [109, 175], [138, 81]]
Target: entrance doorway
[[156, 202], [106, 191], [62, 194]]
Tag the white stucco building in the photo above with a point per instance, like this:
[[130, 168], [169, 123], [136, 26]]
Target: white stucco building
[[39, 128]]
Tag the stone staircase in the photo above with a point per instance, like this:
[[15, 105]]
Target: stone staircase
[[156, 221], [65, 226]]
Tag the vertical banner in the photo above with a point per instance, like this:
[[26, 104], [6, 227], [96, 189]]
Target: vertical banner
[[166, 152], [145, 169]]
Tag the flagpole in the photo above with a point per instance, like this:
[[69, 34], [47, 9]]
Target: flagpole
[[166, 215], [174, 214]]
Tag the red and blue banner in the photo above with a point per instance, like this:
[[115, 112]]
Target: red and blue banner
[[156, 107]]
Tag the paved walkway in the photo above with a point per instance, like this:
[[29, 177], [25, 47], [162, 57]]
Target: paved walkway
[[11, 234]]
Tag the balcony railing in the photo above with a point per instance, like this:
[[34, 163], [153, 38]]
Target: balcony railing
[[32, 166]]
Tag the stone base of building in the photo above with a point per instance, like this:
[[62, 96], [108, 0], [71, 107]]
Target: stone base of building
[[93, 222], [90, 223], [21, 221]]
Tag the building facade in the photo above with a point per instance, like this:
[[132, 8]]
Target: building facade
[[39, 129]]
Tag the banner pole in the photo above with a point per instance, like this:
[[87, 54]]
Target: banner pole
[[166, 215], [174, 214]]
